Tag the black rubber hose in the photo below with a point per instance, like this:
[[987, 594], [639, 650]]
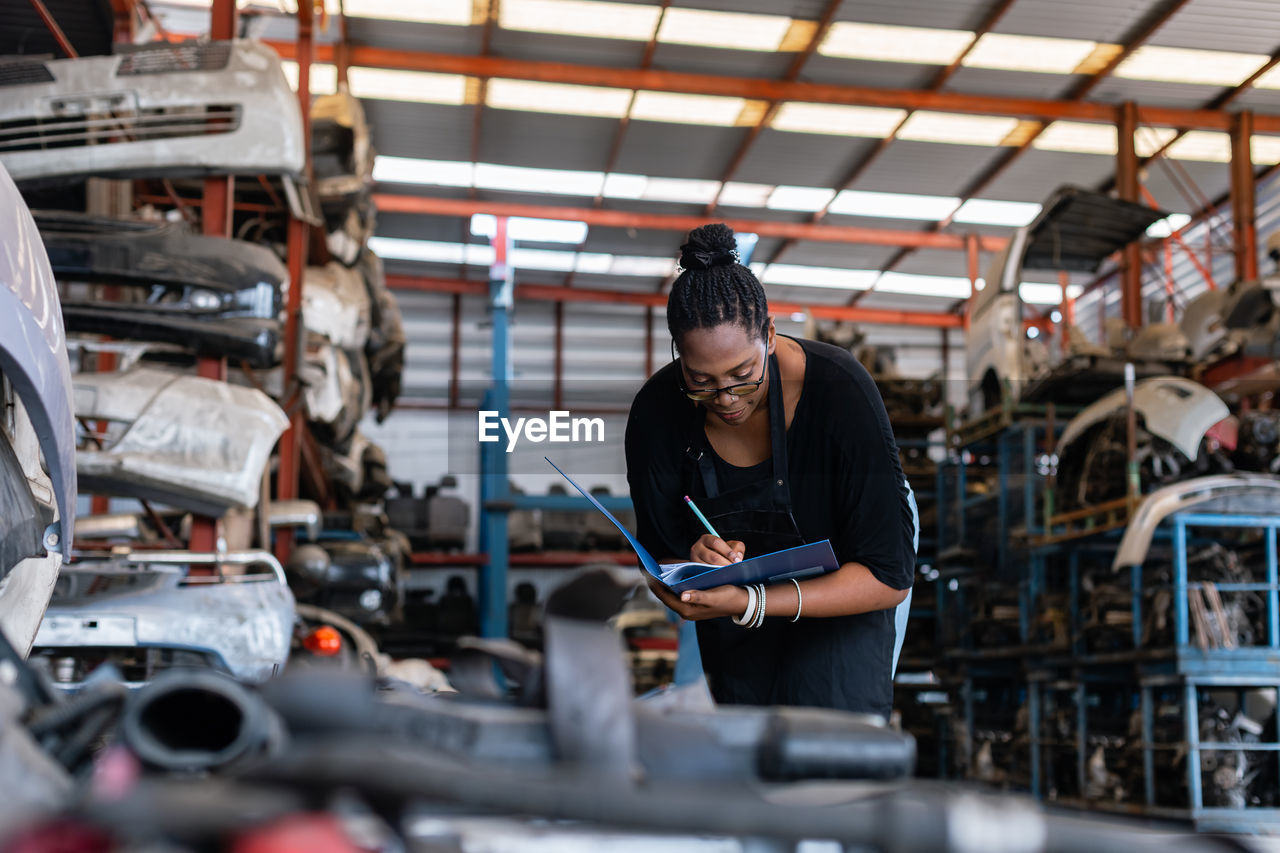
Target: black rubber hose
[[896, 820], [51, 718], [190, 720]]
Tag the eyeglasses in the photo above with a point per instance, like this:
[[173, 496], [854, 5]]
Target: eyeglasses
[[740, 389]]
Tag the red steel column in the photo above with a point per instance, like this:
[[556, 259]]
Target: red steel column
[[1244, 206], [298, 240], [558, 394], [1127, 185], [971, 256]]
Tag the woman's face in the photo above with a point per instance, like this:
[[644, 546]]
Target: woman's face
[[725, 355]]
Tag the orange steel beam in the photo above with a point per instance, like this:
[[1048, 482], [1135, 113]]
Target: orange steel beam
[[766, 118], [426, 205], [1127, 185], [555, 293], [58, 35], [1244, 206], [772, 90]]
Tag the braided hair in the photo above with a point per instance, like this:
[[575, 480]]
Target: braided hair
[[713, 288]]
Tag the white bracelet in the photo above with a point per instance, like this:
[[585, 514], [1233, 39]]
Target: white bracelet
[[799, 600], [761, 613], [749, 614]]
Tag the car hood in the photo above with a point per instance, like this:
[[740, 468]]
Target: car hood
[[1178, 410]]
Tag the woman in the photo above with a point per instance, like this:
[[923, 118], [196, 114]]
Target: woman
[[779, 442]]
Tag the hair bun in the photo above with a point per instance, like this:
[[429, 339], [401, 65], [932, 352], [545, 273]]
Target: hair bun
[[709, 246]]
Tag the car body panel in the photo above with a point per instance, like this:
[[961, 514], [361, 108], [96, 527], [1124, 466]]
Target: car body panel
[[36, 423], [190, 442], [1178, 410], [148, 599], [197, 108], [335, 304]]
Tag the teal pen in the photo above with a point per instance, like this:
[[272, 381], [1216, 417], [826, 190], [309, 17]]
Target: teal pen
[[701, 517]]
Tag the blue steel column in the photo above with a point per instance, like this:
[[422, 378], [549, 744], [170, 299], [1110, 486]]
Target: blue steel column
[[1180, 618], [495, 494], [1273, 594]]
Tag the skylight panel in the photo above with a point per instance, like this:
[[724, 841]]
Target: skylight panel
[[852, 40], [1184, 65], [407, 170], [418, 86], [476, 254], [806, 276], [737, 194], [324, 78], [925, 126], [1270, 80], [1028, 53], [451, 12], [533, 230], [621, 185], [1165, 227], [628, 21], [1041, 293], [523, 179], [1207, 145], [799, 117], [1085, 138], [929, 208], [641, 265], [951, 287], [738, 31], [985, 211], [686, 109], [809, 199], [557, 98], [681, 190], [1266, 149]]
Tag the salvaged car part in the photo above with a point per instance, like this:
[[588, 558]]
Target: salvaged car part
[[1174, 416], [145, 612], [1243, 318], [196, 108], [336, 305], [341, 153], [385, 348], [336, 388], [37, 428], [180, 440], [1075, 230]]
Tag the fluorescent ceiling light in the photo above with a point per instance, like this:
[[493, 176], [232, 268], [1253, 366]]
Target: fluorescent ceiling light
[[432, 252], [1028, 53], [723, 29], [805, 276], [929, 208], [453, 12], [563, 98], [533, 230], [985, 211], [835, 119], [632, 22], [852, 40], [686, 109], [1085, 138], [418, 86], [1040, 293], [810, 199], [737, 194], [1165, 227], [324, 78], [1184, 65], [1207, 145], [951, 287], [925, 126], [523, 179], [407, 170]]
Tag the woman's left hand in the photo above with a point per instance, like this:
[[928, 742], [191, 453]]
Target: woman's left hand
[[699, 604]]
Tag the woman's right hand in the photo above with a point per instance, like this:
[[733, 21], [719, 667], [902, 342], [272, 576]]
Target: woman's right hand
[[716, 551]]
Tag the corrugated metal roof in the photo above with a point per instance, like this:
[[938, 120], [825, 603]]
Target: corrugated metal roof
[[1037, 173], [677, 151], [427, 131], [617, 53], [985, 81], [876, 75], [729, 63], [926, 168], [801, 159], [951, 15], [544, 141], [1241, 26], [1109, 21]]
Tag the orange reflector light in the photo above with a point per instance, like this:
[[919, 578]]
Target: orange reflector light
[[323, 641]]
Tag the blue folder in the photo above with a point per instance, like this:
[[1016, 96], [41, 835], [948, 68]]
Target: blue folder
[[802, 561]]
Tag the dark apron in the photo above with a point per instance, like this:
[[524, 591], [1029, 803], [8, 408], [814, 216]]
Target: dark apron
[[743, 665]]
